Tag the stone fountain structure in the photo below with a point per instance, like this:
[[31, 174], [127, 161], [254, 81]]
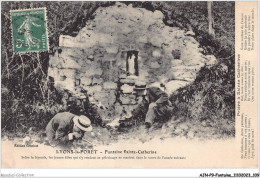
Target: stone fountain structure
[[121, 47]]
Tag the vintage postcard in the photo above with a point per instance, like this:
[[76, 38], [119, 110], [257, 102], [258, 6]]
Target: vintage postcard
[[149, 84]]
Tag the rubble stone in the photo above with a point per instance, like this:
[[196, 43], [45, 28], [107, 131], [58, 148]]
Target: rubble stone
[[178, 131], [191, 134], [156, 53], [204, 124], [128, 99], [127, 88], [155, 65], [112, 49], [91, 57], [174, 85], [176, 62], [86, 81], [97, 81], [110, 85], [93, 72], [183, 127], [93, 89]]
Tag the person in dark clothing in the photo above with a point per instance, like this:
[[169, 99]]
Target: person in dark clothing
[[65, 127], [155, 107], [82, 106]]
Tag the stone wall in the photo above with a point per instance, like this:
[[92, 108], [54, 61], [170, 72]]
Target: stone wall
[[96, 57]]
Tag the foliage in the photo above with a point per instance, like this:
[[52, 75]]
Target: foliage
[[211, 98], [28, 100]]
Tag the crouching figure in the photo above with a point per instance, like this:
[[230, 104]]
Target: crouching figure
[[65, 127], [155, 107]]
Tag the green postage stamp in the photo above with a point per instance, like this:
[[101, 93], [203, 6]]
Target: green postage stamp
[[29, 30]]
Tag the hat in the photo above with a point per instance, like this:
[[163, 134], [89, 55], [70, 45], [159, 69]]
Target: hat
[[83, 123]]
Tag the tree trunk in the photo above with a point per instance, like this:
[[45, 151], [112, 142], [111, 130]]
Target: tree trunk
[[210, 18]]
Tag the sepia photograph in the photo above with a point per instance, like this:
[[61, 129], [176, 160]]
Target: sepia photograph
[[94, 77]]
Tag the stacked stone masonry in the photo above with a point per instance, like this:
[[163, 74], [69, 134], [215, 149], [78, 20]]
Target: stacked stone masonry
[[96, 58]]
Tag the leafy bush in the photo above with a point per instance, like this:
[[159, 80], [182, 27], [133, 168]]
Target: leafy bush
[[29, 100]]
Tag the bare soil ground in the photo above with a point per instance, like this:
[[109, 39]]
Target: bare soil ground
[[189, 130]]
